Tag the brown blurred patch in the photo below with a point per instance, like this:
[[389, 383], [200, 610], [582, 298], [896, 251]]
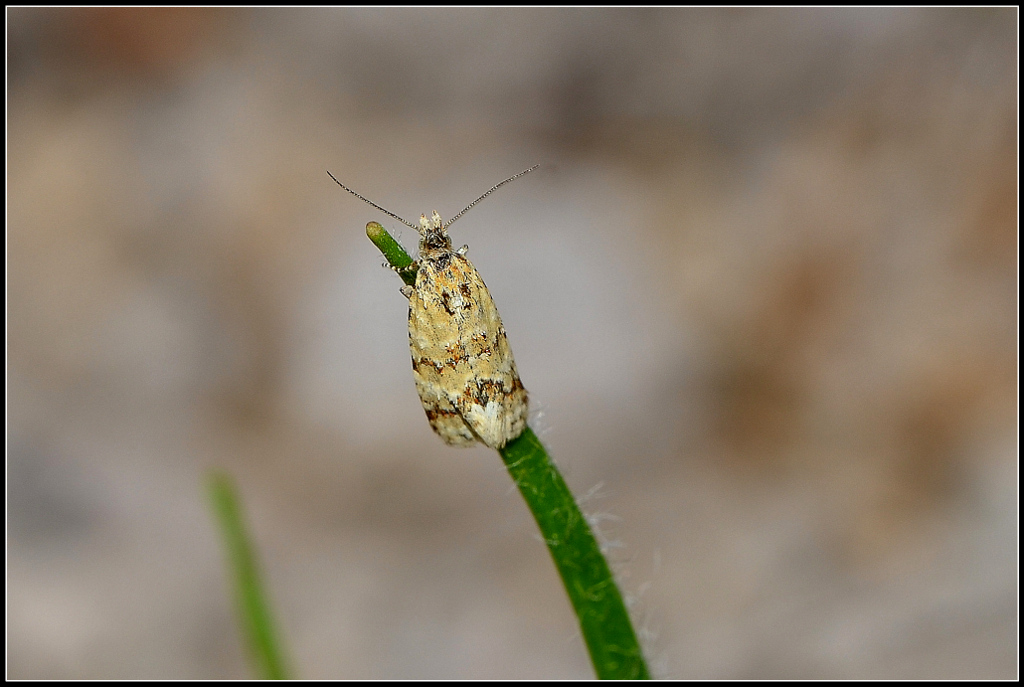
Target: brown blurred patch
[[920, 464], [248, 397], [82, 44], [935, 421], [142, 38], [992, 237], [761, 389]]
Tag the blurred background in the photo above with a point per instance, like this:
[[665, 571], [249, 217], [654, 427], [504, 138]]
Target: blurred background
[[762, 291]]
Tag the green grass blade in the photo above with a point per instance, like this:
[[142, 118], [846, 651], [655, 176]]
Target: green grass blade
[[604, 620], [254, 617]]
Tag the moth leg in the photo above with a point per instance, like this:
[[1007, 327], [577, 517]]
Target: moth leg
[[402, 270], [462, 251], [406, 291]]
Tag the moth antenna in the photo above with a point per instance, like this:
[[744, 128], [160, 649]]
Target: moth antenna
[[387, 212], [495, 188]]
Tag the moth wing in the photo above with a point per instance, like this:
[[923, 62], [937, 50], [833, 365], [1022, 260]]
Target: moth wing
[[496, 408], [464, 371], [446, 421], [493, 401]]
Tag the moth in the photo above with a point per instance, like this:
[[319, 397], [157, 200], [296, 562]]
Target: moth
[[461, 361]]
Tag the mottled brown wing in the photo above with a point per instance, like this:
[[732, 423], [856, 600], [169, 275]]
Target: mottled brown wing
[[463, 366]]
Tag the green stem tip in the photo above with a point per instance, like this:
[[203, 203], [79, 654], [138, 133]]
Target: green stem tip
[[393, 252]]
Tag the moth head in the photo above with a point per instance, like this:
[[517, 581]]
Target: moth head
[[434, 238]]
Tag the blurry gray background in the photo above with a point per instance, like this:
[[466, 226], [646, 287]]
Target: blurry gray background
[[762, 292]]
